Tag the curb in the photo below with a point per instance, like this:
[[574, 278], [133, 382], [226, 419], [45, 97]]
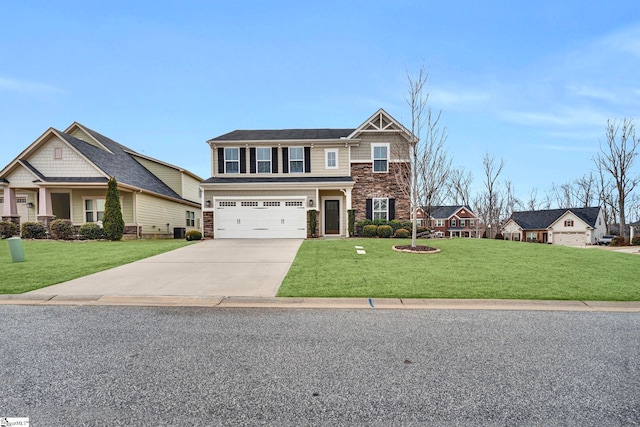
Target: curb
[[319, 303]]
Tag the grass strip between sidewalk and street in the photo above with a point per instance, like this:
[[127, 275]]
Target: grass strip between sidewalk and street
[[465, 268], [48, 262]]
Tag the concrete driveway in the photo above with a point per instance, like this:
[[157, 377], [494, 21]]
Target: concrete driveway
[[229, 267]]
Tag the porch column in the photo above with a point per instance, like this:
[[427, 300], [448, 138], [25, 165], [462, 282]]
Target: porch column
[[44, 202], [10, 207], [347, 195]]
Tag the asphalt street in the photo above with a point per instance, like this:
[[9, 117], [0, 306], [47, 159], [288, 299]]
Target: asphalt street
[[138, 366]]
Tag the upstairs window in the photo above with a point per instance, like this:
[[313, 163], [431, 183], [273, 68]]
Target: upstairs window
[[568, 223], [380, 157], [263, 159], [231, 160], [331, 159], [296, 159], [453, 222]]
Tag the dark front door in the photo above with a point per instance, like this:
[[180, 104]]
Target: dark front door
[[331, 217]]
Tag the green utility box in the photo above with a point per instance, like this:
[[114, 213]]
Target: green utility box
[[17, 251]]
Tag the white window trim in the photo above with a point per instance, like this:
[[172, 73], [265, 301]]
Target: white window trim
[[296, 160], [373, 159], [326, 158], [95, 210], [373, 208], [190, 217], [94, 198], [264, 161], [229, 161]]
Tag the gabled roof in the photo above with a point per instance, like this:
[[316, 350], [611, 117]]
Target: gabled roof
[[283, 135], [444, 212], [118, 162], [543, 219], [380, 121], [108, 156]]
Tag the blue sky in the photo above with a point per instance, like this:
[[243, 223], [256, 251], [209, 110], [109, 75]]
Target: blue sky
[[532, 83]]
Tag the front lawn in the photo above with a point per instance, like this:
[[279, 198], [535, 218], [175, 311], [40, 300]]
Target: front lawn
[[48, 262], [465, 268]]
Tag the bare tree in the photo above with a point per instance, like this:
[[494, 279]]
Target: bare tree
[[459, 186], [511, 202], [532, 203], [563, 195], [584, 190], [616, 158], [429, 163], [492, 202]]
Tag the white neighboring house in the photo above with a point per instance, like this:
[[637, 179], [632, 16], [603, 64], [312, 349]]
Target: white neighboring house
[[569, 227]]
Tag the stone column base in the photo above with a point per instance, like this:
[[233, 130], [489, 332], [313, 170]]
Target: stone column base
[[13, 219]]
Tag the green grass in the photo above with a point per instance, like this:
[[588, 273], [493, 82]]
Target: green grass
[[465, 268], [48, 262]]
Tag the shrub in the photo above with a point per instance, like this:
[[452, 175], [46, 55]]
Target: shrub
[[361, 224], [91, 231], [635, 241], [402, 233], [8, 229], [313, 221], [407, 225], [422, 230], [385, 231], [352, 221], [619, 241], [112, 220], [62, 229], [499, 236], [196, 235], [380, 221], [370, 230], [395, 224], [33, 230]]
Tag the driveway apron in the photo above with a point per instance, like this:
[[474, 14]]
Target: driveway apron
[[227, 267]]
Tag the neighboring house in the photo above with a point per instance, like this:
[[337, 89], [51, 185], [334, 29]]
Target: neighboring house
[[64, 175], [571, 227], [265, 182], [451, 221]]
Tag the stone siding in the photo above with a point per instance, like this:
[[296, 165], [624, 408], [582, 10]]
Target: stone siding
[[369, 185], [207, 227]]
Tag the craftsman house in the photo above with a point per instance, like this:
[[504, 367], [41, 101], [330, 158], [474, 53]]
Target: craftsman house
[[64, 175], [265, 182], [570, 227]]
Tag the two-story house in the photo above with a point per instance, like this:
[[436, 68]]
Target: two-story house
[[265, 182], [64, 175], [451, 221]]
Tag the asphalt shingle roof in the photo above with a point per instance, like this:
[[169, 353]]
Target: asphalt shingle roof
[[539, 220], [119, 163], [443, 212], [283, 134]]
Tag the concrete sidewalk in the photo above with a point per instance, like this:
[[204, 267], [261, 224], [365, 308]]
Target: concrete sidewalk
[[228, 267]]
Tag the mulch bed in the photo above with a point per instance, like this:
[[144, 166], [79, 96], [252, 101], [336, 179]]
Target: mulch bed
[[418, 249]]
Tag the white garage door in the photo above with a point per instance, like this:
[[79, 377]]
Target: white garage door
[[260, 219], [569, 239]]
